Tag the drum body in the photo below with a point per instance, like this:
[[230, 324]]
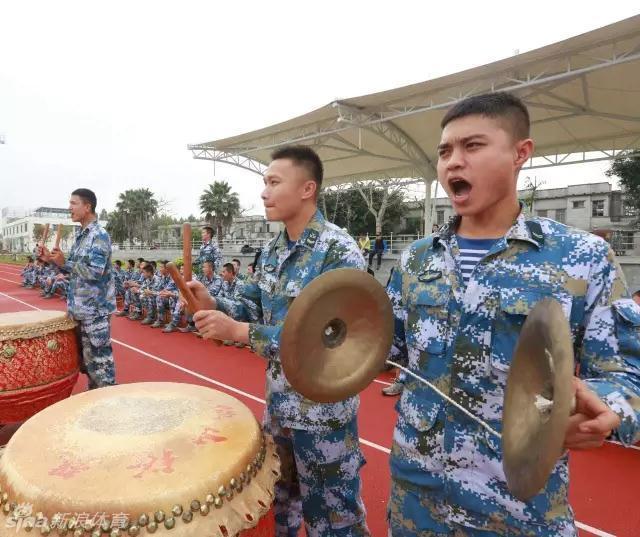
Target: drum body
[[149, 458], [39, 362]]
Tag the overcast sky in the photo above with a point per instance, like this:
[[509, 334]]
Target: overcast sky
[[108, 95]]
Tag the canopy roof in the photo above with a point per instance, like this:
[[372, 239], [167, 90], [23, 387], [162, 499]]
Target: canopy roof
[[582, 95]]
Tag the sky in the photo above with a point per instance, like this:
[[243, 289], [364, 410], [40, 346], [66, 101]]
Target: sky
[[107, 95]]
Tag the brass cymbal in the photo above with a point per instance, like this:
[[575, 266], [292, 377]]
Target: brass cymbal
[[337, 335], [538, 399]]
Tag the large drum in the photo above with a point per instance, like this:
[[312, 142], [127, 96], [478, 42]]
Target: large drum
[[138, 459], [39, 362]]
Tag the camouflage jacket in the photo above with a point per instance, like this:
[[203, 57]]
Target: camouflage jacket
[[462, 338], [213, 284], [283, 274], [91, 282], [209, 251], [232, 289]]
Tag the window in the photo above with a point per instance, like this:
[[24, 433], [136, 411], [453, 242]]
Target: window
[[578, 204], [542, 212], [561, 216], [597, 208], [440, 217]]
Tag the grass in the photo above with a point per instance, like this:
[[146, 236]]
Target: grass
[[14, 259]]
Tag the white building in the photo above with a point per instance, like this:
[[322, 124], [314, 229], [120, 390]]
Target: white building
[[17, 232]]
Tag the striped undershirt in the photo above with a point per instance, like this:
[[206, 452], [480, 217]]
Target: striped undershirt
[[471, 252]]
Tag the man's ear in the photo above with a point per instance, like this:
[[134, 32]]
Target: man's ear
[[310, 189], [524, 151]]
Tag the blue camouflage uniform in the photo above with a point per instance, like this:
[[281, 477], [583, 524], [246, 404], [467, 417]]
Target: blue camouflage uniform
[[91, 299], [317, 443], [28, 274], [209, 251], [231, 290], [119, 277], [447, 476], [151, 285], [213, 285], [134, 302], [166, 303], [61, 285]]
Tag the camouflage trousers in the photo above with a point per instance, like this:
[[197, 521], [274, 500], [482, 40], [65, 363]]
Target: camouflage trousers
[[163, 304], [131, 299], [320, 482], [97, 356], [149, 305], [62, 285], [178, 311]]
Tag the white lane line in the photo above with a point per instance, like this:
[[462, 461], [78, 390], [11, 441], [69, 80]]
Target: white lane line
[[637, 448], [594, 531]]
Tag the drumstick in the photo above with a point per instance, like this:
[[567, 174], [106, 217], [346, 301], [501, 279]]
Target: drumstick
[[181, 284], [56, 245], [45, 234], [186, 251], [192, 302]]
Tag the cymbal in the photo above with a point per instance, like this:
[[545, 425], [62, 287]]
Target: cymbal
[[337, 335], [538, 399]]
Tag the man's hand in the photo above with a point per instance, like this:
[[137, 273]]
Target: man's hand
[[592, 422], [56, 256], [214, 324], [206, 301]]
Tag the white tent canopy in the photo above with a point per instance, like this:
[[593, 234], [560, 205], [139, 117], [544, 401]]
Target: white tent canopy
[[582, 94]]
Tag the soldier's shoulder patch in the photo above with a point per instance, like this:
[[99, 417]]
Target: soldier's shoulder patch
[[312, 238], [535, 229]]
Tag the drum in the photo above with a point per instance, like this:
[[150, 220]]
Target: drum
[[137, 459], [39, 362]]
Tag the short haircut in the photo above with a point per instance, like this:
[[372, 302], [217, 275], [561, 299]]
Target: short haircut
[[236, 261], [252, 265], [148, 268], [229, 268], [208, 229], [140, 259], [304, 156], [637, 293], [153, 264], [503, 106], [210, 263], [29, 259], [118, 262], [162, 263], [87, 196], [131, 262]]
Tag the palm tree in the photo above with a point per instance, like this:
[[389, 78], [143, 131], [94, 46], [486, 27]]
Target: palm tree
[[220, 206], [137, 208]]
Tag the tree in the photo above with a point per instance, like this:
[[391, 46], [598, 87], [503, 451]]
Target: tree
[[132, 217], [376, 193], [627, 168], [103, 215], [346, 207], [532, 186], [220, 206], [38, 231]]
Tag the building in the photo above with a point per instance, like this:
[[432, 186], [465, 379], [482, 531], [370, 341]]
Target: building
[[594, 207], [16, 232]]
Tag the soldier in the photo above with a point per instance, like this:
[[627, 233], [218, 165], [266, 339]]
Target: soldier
[[460, 298], [149, 290], [28, 274], [231, 286], [167, 294], [119, 276], [317, 443], [177, 309], [60, 283], [91, 298], [212, 282], [135, 299], [237, 266], [209, 251], [130, 280]]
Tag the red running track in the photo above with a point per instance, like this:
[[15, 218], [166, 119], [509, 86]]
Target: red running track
[[603, 482]]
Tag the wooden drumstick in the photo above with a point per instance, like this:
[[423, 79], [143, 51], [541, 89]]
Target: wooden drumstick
[[45, 234], [56, 245], [192, 302], [186, 251]]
